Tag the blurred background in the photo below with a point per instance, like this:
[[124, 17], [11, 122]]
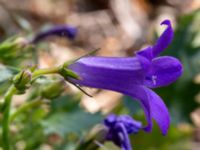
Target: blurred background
[[118, 27]]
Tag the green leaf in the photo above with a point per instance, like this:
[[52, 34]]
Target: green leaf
[[65, 103], [5, 73], [63, 123]]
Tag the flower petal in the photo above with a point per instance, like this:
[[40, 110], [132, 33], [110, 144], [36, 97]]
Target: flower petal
[[159, 111], [136, 91], [119, 127], [163, 71], [101, 72], [161, 44], [123, 137], [131, 125], [111, 75], [164, 40], [125, 75], [145, 53], [154, 108], [151, 103]]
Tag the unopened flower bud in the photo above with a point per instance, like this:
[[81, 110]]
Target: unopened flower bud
[[22, 80], [21, 42], [53, 90], [11, 50]]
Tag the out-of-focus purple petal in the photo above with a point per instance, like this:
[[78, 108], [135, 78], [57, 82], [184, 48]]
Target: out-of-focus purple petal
[[102, 72], [59, 30], [110, 120], [163, 71], [159, 111], [132, 126], [123, 136], [164, 40], [119, 127]]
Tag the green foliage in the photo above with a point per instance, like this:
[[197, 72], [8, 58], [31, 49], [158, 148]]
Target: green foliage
[[5, 74], [74, 122], [67, 117]]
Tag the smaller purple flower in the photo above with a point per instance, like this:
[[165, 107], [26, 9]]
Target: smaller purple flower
[[59, 30], [118, 129]]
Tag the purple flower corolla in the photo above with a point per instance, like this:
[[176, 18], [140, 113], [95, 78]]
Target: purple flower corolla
[[59, 30], [134, 76], [119, 127]]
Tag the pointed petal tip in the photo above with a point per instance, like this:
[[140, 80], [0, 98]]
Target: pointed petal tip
[[164, 130], [147, 128], [166, 22], [164, 40], [165, 133]]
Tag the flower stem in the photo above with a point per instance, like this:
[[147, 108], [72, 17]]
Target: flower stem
[[25, 107], [45, 71], [5, 122]]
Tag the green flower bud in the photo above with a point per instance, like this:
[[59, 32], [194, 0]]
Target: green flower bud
[[10, 46], [53, 90], [11, 50], [21, 42], [22, 80]]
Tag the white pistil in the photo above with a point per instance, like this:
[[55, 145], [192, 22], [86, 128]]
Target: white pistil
[[154, 79]]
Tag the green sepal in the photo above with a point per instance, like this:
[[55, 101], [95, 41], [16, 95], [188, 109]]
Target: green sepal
[[66, 73]]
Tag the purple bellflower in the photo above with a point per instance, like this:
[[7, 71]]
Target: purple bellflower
[[134, 76], [119, 127], [59, 30]]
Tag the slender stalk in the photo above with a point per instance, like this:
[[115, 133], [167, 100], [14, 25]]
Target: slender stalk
[[45, 71], [5, 122], [25, 107]]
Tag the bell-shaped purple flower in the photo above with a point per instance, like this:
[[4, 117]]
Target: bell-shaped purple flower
[[119, 127], [134, 76], [59, 30]]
